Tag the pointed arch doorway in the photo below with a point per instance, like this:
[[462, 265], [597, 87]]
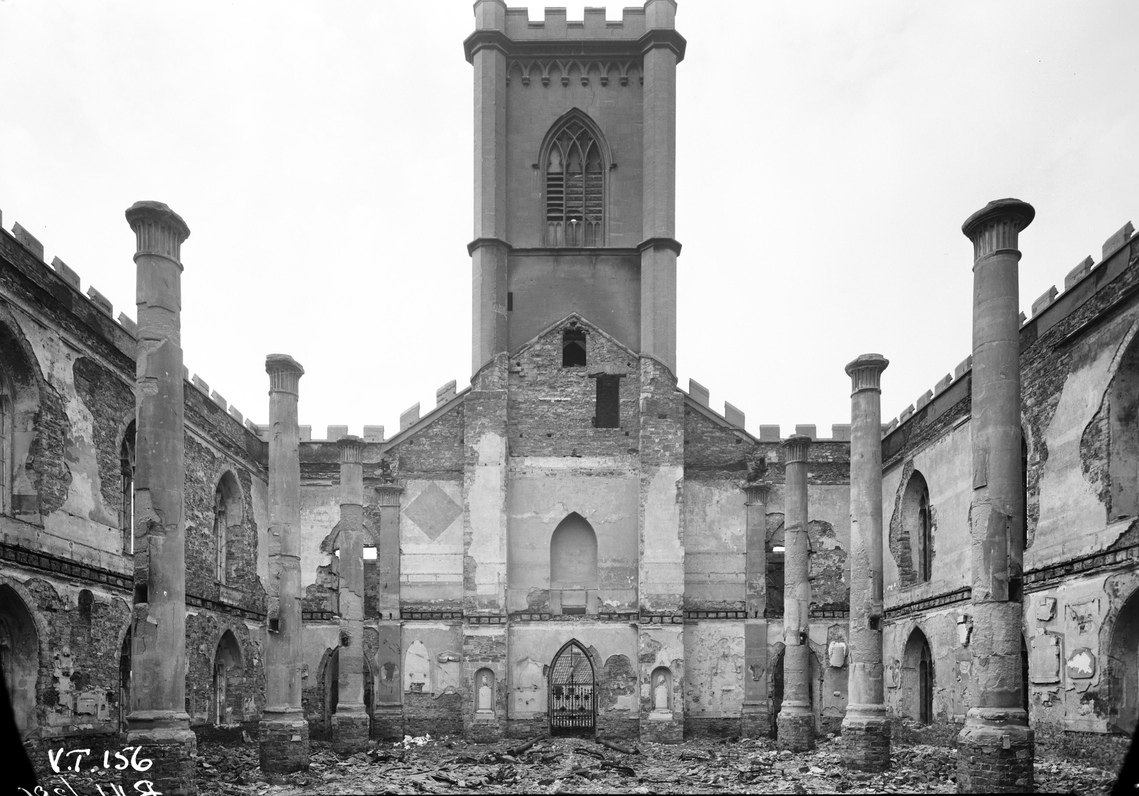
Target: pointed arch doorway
[[573, 692]]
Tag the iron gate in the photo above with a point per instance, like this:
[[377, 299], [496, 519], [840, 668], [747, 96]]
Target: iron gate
[[573, 695]]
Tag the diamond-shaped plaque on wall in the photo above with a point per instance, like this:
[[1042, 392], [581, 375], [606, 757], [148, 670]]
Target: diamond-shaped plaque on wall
[[433, 511]]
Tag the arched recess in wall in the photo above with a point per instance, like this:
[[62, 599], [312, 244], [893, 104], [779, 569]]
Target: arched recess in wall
[[1122, 675], [330, 686], [917, 681], [574, 160], [572, 699], [19, 406], [1123, 447], [662, 689], [775, 685], [19, 657], [776, 550], [917, 532], [228, 514], [573, 565], [484, 691], [226, 707], [124, 680]]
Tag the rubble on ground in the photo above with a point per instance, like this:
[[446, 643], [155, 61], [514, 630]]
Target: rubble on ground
[[573, 765]]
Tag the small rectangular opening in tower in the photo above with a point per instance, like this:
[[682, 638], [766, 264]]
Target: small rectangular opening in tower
[[608, 414], [573, 348], [510, 301]]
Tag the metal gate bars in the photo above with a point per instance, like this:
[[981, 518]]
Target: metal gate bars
[[573, 693]]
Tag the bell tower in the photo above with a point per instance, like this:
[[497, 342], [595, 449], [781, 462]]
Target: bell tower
[[575, 168]]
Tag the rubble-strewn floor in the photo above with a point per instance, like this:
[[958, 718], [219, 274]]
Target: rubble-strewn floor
[[579, 766]]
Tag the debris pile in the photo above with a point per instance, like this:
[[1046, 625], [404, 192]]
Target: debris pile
[[571, 765]]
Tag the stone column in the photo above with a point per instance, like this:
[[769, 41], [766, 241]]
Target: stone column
[[283, 730], [796, 722], [756, 720], [664, 48], [350, 722], [865, 730], [995, 747], [489, 249], [158, 722], [387, 711]]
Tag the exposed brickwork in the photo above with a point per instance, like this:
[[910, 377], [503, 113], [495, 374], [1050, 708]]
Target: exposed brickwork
[[110, 400], [434, 449], [284, 746], [986, 766], [437, 714], [866, 746], [172, 766], [795, 732], [350, 733], [723, 727], [552, 408], [245, 689], [755, 722]]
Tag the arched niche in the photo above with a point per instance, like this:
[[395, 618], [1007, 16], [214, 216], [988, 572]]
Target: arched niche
[[228, 683], [484, 692], [1122, 671], [917, 529], [228, 514], [661, 690], [573, 565], [917, 679]]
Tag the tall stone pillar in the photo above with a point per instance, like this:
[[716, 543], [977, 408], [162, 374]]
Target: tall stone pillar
[[350, 722], [995, 747], [283, 730], [664, 48], [158, 723], [865, 730], [489, 249], [796, 722], [756, 721], [387, 711]]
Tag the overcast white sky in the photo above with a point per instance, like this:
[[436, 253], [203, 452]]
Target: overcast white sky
[[321, 155]]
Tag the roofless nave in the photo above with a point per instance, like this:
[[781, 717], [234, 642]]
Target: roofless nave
[[573, 545]]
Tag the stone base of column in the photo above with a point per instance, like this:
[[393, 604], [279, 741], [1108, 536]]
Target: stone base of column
[[284, 745], [172, 749], [350, 732], [866, 741], [755, 721], [387, 722], [795, 730], [995, 758]]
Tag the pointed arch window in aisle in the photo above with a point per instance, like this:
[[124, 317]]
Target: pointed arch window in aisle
[[573, 695]]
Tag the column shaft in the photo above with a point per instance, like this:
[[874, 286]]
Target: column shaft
[[996, 745], [350, 724], [865, 731], [158, 722], [756, 719], [796, 721], [283, 729]]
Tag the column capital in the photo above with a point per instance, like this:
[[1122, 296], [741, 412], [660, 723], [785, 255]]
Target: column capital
[[284, 373], [995, 226], [158, 229], [757, 493], [388, 494], [351, 449], [866, 372], [795, 448]]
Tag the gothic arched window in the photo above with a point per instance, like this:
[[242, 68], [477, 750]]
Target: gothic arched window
[[574, 165], [126, 505]]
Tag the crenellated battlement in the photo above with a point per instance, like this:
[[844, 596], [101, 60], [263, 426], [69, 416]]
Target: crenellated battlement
[[512, 31], [699, 395], [1047, 310]]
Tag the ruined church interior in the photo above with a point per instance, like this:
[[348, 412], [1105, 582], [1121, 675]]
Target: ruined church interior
[[574, 544]]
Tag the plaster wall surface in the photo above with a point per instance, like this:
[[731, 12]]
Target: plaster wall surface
[[431, 543], [542, 492]]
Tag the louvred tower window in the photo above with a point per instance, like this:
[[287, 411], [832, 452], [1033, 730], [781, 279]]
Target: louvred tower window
[[574, 168]]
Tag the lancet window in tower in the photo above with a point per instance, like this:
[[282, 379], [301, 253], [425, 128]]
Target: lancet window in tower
[[575, 187]]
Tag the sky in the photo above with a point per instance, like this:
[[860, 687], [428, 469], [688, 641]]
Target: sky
[[321, 154]]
